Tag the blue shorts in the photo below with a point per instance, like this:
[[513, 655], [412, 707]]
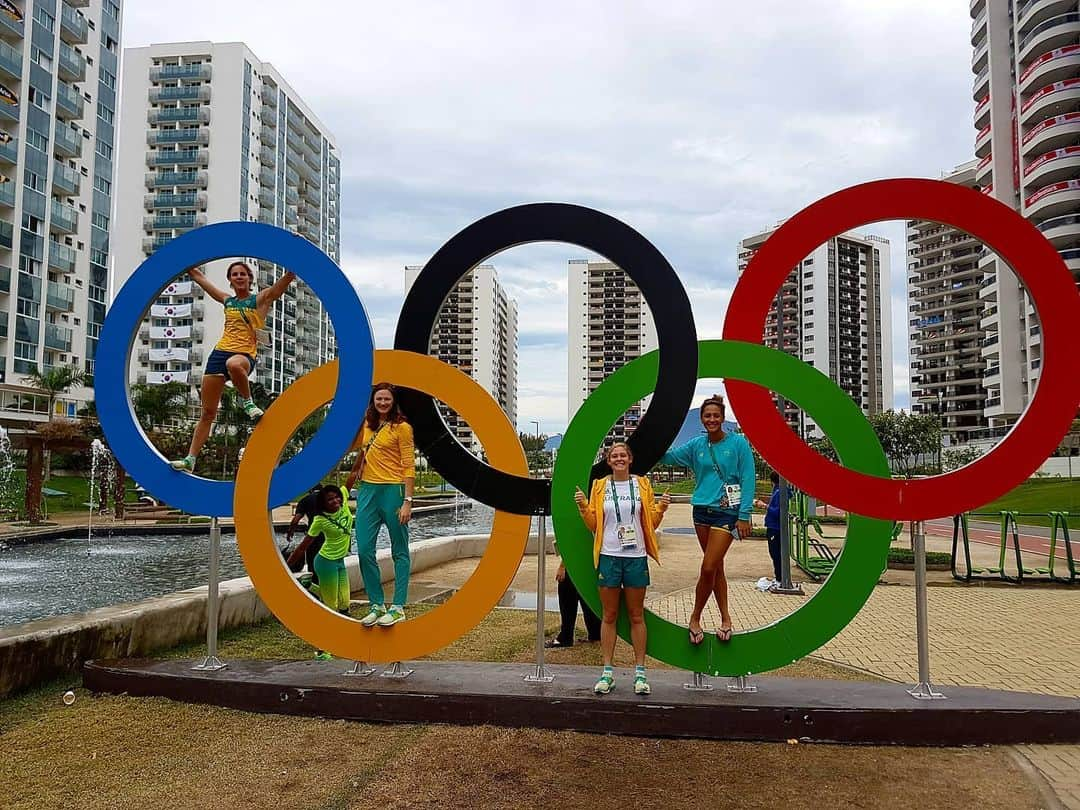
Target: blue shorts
[[622, 572], [215, 364], [715, 518]]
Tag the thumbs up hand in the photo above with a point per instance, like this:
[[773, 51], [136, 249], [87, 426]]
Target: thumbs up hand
[[665, 500], [579, 498]]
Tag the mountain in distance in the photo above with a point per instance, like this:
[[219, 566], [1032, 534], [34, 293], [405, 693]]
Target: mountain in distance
[[691, 427]]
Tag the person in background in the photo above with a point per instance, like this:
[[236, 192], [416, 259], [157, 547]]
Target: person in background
[[623, 515], [308, 507], [772, 525], [569, 598], [386, 470], [724, 482], [334, 523]]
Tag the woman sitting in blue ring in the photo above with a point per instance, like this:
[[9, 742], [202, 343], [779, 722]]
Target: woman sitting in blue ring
[[234, 355], [723, 467], [623, 515]]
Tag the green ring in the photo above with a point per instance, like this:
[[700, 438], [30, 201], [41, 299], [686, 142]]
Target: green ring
[[866, 545]]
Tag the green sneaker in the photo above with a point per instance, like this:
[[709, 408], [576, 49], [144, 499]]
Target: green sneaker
[[641, 685], [314, 590], [605, 684], [185, 464], [322, 655], [376, 613], [252, 410], [395, 614]]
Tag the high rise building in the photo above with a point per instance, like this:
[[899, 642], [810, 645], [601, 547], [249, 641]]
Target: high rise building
[[835, 316], [476, 331], [1027, 87], [58, 71], [945, 315], [610, 325], [211, 133]]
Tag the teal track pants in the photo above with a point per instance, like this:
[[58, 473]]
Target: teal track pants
[[333, 582], [377, 505]]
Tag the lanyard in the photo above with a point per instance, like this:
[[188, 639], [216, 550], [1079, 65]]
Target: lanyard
[[712, 455], [615, 500]]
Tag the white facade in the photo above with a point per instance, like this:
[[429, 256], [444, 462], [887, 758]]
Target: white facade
[[58, 73], [945, 314], [609, 325], [210, 133], [476, 331], [1026, 62], [836, 317]]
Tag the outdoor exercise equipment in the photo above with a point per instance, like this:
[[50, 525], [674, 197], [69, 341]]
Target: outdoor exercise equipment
[[1009, 524]]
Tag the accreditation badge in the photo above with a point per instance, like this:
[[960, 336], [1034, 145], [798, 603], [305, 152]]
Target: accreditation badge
[[627, 536]]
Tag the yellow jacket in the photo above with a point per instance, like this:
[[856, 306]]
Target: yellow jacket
[[652, 514]]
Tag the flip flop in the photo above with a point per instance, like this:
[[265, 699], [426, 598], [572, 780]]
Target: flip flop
[[724, 633], [696, 637]]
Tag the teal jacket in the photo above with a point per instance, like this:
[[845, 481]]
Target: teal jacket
[[735, 462]]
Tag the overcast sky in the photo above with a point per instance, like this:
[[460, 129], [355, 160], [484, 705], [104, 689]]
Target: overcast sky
[[696, 123]]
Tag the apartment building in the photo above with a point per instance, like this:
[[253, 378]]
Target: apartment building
[[476, 331], [211, 133], [58, 97], [833, 312], [609, 325]]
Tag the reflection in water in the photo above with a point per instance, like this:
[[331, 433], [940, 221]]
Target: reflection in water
[[56, 577]]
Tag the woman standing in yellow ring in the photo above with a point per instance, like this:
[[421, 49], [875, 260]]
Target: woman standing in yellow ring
[[387, 471]]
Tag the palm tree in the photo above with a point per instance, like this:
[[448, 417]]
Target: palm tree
[[53, 382], [159, 405]]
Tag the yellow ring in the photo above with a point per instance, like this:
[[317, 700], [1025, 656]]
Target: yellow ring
[[295, 607]]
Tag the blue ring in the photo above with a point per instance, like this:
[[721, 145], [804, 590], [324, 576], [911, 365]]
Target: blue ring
[[222, 240]]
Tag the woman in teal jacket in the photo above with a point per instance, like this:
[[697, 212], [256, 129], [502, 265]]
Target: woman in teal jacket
[[723, 467]]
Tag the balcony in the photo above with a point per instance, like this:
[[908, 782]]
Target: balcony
[[177, 114], [1054, 99], [979, 59], [150, 244], [68, 141], [72, 25], [65, 179], [72, 64], [266, 176], [187, 199], [69, 104], [196, 72], [7, 194], [1050, 133], [57, 338], [1055, 32], [60, 297], [7, 231], [267, 136], [1056, 199], [1033, 12], [9, 152], [10, 29], [8, 112], [983, 142], [64, 218], [5, 279], [10, 61], [169, 222], [183, 92], [982, 112], [292, 177], [269, 95], [178, 157], [166, 137], [981, 86], [1051, 167], [267, 156], [1058, 64], [61, 257], [266, 197], [185, 178]]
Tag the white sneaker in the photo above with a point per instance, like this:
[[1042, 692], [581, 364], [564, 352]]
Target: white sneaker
[[373, 616]]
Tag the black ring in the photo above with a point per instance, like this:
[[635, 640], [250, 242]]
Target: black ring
[[594, 231]]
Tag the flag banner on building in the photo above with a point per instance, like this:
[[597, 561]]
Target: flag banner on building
[[11, 10], [178, 288], [5, 138], [170, 332], [162, 377], [7, 96], [178, 353], [171, 310]]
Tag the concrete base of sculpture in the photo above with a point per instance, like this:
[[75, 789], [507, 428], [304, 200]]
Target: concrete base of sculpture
[[868, 712]]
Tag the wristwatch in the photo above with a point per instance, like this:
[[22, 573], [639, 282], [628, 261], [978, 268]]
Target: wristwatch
[[408, 498]]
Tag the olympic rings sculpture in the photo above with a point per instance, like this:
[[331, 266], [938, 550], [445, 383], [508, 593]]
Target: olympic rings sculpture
[[863, 486]]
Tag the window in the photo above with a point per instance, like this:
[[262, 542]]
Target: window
[[111, 8], [100, 221], [107, 79], [37, 140], [39, 99], [104, 150], [40, 57], [104, 113], [43, 17], [102, 185], [34, 181], [28, 308]]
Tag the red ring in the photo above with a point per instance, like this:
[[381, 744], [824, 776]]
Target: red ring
[[1019, 244]]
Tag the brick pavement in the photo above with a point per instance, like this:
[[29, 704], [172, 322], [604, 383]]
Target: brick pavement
[[1022, 639]]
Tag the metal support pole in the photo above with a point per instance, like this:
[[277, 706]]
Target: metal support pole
[[211, 663], [359, 669], [741, 685], [396, 671], [785, 586], [541, 675], [923, 690], [699, 684]]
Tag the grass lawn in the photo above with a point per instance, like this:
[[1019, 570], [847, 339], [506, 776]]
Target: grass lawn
[[1042, 495], [120, 752]]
